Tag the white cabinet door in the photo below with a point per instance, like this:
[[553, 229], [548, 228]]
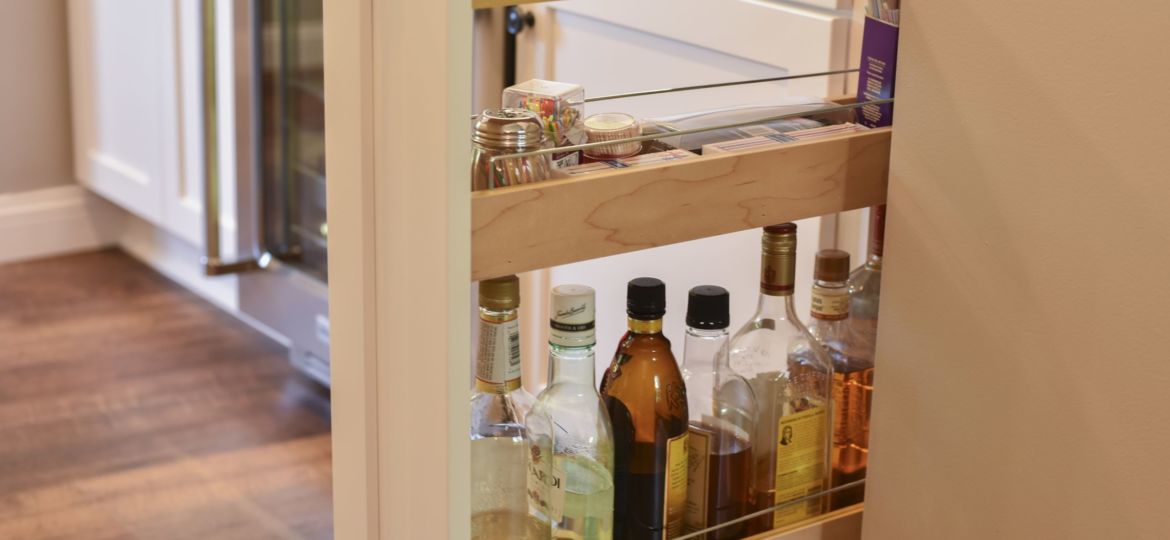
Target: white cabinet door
[[137, 109], [615, 46]]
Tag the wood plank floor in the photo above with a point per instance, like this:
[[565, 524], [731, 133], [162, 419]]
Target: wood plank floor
[[130, 408]]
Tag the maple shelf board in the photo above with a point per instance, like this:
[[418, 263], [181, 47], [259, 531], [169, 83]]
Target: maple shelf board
[[522, 228]]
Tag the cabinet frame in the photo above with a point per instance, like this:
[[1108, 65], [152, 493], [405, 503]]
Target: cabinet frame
[[401, 226]]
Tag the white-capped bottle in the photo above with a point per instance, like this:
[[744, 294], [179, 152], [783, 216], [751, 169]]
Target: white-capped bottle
[[571, 457]]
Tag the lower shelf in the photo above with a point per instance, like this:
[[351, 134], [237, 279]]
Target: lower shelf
[[843, 524], [521, 228]]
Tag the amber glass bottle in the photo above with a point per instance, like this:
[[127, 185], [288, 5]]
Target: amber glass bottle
[[647, 401], [852, 373]]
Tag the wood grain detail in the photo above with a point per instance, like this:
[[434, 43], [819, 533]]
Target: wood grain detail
[[129, 408], [562, 221]]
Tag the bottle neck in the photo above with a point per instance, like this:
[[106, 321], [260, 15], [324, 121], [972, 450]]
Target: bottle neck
[[571, 365], [776, 307], [874, 262], [778, 269], [639, 326], [497, 368], [704, 349], [830, 301]]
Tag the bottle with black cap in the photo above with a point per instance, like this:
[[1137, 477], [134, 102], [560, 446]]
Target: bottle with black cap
[[644, 392], [852, 373], [722, 411], [790, 374]]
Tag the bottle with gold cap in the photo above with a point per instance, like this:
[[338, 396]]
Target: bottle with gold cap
[[571, 455], [790, 374], [499, 499], [852, 373]]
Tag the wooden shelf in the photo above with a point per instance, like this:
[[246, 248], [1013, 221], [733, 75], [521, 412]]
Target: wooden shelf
[[551, 223], [483, 4]]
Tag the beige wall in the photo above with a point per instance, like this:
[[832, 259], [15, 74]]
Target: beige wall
[[35, 140], [1024, 364]]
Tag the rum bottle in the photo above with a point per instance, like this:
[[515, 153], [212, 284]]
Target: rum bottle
[[722, 420], [571, 458], [852, 373], [790, 374], [499, 500], [647, 402]]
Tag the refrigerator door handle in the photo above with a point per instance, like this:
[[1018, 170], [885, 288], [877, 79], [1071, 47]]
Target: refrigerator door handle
[[213, 263]]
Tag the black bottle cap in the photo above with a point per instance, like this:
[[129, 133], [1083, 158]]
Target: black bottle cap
[[708, 307], [646, 298]]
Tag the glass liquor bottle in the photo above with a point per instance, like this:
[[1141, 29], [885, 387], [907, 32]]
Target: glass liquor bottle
[[790, 374], [722, 420], [852, 374], [499, 501], [571, 456], [647, 403], [865, 283]]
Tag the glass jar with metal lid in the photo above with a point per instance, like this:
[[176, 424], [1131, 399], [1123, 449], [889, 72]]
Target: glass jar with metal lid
[[500, 132]]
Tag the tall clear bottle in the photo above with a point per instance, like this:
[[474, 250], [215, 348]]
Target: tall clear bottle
[[723, 413], [852, 358], [571, 458], [865, 283], [647, 402], [790, 374], [499, 500]]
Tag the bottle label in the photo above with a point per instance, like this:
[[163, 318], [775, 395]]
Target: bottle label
[[546, 481], [698, 449], [498, 365], [537, 484], [800, 465], [830, 304], [556, 490], [676, 485]]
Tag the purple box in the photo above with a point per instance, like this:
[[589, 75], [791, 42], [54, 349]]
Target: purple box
[[879, 60]]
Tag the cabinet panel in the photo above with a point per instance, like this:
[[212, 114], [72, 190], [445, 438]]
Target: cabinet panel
[[137, 107], [122, 58]]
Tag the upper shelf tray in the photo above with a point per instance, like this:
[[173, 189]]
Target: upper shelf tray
[[533, 226]]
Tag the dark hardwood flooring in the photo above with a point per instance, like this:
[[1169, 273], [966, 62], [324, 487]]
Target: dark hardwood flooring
[[130, 408]]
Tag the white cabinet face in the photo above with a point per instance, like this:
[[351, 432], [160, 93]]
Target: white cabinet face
[[122, 56], [137, 107], [614, 46]]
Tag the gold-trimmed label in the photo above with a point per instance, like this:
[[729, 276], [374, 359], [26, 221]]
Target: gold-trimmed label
[[698, 460], [675, 506], [498, 360], [830, 304], [800, 464]]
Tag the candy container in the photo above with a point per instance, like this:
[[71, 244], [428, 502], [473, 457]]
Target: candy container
[[560, 106]]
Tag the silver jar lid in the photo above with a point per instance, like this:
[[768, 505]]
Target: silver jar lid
[[509, 129]]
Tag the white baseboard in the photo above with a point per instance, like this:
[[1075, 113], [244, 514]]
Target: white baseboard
[[55, 221]]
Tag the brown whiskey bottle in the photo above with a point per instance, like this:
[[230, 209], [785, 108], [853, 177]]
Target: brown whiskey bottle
[[644, 392]]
